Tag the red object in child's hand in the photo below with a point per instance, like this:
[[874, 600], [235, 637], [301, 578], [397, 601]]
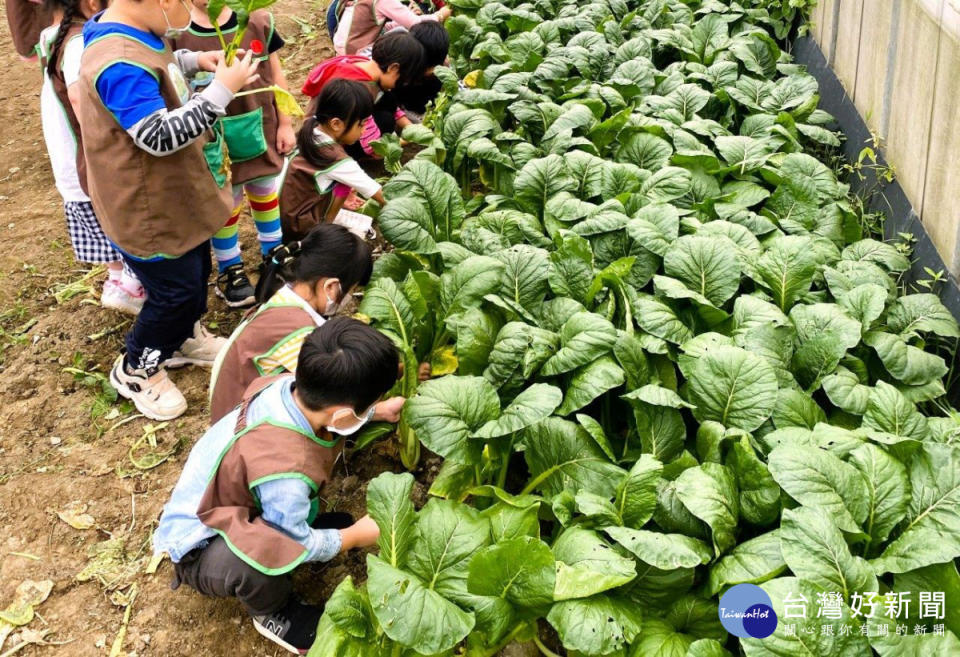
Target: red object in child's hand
[[256, 46]]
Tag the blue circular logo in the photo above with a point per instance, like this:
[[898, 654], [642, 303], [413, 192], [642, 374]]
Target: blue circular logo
[[746, 611]]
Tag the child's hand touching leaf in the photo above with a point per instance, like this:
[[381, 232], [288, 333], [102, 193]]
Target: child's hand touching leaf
[[238, 74], [362, 533], [389, 410]]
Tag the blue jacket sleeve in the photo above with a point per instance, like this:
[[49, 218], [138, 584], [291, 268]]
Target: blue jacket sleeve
[[129, 92], [286, 506]]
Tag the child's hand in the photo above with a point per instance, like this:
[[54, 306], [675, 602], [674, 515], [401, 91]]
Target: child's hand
[[362, 533], [239, 74], [425, 372], [389, 410], [209, 60], [286, 138]]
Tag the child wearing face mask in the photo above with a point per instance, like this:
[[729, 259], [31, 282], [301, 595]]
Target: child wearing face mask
[[304, 283], [243, 514], [158, 183]]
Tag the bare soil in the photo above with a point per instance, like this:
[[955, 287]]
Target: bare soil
[[59, 439]]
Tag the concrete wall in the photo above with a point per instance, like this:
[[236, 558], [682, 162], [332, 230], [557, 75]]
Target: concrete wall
[[899, 62]]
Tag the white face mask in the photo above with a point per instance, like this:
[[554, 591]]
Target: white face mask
[[334, 306], [355, 427], [176, 32]]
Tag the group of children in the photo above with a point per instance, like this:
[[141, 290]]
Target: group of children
[[155, 154]]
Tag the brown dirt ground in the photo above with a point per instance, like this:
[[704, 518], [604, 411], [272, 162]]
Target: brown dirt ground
[[53, 451]]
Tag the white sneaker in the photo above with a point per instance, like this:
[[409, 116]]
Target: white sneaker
[[117, 297], [200, 349], [153, 393]]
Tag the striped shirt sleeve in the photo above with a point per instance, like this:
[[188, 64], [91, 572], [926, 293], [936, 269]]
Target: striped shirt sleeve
[[286, 354]]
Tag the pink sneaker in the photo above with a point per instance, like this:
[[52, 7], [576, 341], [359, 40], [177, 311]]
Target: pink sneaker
[[117, 297]]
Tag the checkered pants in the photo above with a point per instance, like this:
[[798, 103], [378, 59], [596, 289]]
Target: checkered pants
[[89, 242]]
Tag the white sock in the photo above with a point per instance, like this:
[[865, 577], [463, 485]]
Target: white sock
[[130, 283], [114, 274]]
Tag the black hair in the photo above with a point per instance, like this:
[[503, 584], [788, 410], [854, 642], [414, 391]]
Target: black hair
[[71, 9], [344, 361], [400, 48], [435, 41], [328, 251], [347, 100]]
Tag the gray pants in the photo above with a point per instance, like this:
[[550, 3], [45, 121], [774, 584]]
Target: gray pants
[[216, 571]]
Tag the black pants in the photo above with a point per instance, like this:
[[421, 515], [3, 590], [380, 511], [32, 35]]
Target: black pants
[[176, 299], [216, 571]]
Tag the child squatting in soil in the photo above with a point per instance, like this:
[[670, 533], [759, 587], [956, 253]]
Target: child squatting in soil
[[243, 514], [396, 58], [60, 48], [257, 137], [321, 175], [158, 182], [305, 282]]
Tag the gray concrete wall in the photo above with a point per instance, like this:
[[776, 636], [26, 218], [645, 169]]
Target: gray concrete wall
[[899, 62]]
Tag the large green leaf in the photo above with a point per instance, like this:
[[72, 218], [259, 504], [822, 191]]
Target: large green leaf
[[663, 551], [447, 535], [889, 489], [411, 613], [436, 191], [932, 530], [525, 273], [599, 625], [518, 352], [584, 338], [637, 493], [706, 265], [709, 492], [389, 504], [734, 387], [538, 180], [561, 455], [814, 477], [521, 570], [890, 412], [905, 362], [816, 552], [921, 313], [658, 319], [586, 565], [387, 306], [589, 382], [447, 412], [529, 407], [787, 268], [407, 224], [464, 286], [753, 562], [744, 154]]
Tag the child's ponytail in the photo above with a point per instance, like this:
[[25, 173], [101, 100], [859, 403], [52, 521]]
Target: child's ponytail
[[347, 100], [70, 9], [328, 251]]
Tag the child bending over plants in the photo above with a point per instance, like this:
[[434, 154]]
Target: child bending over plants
[[158, 182], [305, 282], [321, 175], [60, 48], [396, 58], [413, 97], [257, 137], [244, 513]]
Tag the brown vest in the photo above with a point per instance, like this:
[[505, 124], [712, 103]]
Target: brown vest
[[256, 337], [250, 126], [148, 205], [303, 205], [364, 26], [26, 20], [268, 449], [75, 30]]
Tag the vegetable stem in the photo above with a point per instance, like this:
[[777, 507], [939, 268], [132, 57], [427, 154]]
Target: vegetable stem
[[542, 648]]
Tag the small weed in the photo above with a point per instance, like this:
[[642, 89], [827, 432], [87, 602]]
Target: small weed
[[104, 394], [63, 292]]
